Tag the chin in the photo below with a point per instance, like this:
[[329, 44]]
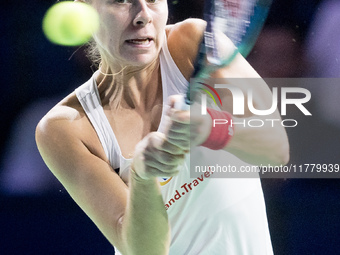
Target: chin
[[142, 60]]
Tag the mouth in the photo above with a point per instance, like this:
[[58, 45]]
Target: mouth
[[140, 41]]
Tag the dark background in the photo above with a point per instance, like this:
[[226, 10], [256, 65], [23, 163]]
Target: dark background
[[37, 216]]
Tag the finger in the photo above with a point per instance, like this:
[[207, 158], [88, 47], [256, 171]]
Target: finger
[[155, 140], [173, 99], [159, 142], [156, 173], [179, 128], [161, 157], [179, 135], [179, 115], [162, 167], [181, 144]]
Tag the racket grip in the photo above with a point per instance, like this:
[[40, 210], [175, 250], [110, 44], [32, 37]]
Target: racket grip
[[181, 104]]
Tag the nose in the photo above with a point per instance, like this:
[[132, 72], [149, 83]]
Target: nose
[[143, 16]]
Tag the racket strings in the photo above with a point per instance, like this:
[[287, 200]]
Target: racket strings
[[240, 21], [233, 19]]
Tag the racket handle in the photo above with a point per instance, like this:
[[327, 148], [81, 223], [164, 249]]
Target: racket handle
[[181, 104]]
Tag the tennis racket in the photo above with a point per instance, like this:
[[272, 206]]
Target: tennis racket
[[239, 20]]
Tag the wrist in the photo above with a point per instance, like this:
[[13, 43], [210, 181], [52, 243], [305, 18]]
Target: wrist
[[141, 179], [135, 175], [222, 130]]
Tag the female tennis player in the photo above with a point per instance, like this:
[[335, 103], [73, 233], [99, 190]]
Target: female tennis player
[[104, 144]]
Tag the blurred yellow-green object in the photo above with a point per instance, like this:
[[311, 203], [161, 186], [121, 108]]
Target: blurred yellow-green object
[[70, 23]]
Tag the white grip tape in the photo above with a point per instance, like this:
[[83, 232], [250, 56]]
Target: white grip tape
[[181, 105]]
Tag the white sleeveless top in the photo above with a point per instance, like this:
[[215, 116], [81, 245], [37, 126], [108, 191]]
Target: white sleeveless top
[[208, 216]]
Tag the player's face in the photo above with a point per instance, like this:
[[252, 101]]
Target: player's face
[[131, 31]]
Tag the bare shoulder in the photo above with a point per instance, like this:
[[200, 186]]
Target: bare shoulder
[[183, 42], [66, 129], [188, 27], [62, 119], [56, 127]]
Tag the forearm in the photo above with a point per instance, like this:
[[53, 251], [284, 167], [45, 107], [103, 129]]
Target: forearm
[[258, 139], [145, 226], [267, 144]]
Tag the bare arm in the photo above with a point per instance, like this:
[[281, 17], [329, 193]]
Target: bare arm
[[267, 144], [132, 218]]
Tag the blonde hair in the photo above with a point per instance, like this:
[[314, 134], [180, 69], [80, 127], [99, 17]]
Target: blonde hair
[[91, 50], [92, 53]]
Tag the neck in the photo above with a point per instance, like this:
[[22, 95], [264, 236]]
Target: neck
[[130, 87]]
